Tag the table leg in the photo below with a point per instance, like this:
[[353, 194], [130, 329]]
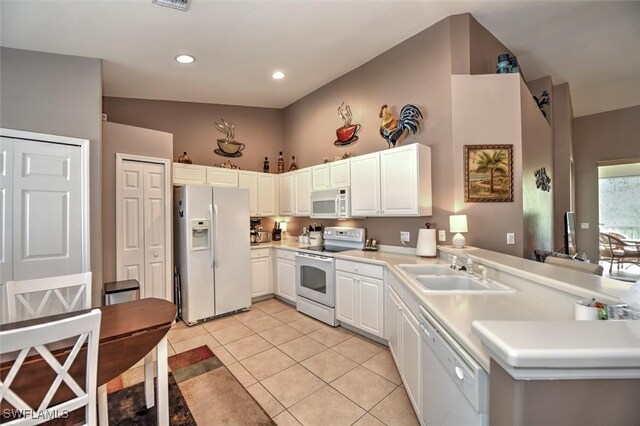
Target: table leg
[[163, 383], [148, 380], [103, 406]]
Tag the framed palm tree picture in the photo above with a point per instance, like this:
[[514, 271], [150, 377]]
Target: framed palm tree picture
[[488, 173]]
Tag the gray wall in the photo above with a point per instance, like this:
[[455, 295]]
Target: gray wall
[[191, 124], [59, 95], [602, 137], [119, 138]]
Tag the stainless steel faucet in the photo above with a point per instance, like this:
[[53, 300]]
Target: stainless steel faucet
[[484, 272]]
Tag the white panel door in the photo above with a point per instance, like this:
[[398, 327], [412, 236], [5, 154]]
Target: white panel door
[[302, 185], [249, 180], [47, 210], [340, 176], [411, 357], [131, 264], [365, 185], [286, 279], [267, 195], [399, 181], [346, 297], [141, 226], [371, 305], [286, 194], [394, 322], [260, 271], [155, 240], [320, 177], [6, 213], [226, 178]]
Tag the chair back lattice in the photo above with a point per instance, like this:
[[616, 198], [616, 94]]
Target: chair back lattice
[[48, 296], [26, 343]]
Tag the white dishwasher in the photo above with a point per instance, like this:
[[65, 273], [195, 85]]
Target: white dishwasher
[[455, 388]]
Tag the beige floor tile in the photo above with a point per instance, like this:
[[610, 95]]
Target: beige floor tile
[[243, 317], [328, 365], [288, 315], [279, 335], [383, 365], [265, 399], [231, 334], [357, 349], [326, 407], [264, 323], [293, 384], [271, 306], [301, 348], [244, 377], [220, 323], [368, 420], [364, 387], [132, 376], [244, 348], [216, 398], [395, 409], [306, 325], [179, 324], [267, 363], [224, 355], [330, 336], [286, 419], [194, 342], [181, 333]]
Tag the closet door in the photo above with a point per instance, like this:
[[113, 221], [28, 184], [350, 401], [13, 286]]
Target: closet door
[[155, 239], [6, 214], [47, 210], [130, 252]]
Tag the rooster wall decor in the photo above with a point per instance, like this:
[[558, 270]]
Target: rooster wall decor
[[392, 130]]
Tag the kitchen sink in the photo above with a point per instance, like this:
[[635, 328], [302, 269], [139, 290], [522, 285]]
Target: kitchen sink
[[427, 269]]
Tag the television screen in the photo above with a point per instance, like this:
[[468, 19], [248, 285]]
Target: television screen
[[570, 233]]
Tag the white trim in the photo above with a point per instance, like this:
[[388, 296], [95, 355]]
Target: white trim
[[84, 178], [120, 157]]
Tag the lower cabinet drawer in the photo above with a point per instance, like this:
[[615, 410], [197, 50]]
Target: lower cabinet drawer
[[360, 268], [286, 254], [259, 253]]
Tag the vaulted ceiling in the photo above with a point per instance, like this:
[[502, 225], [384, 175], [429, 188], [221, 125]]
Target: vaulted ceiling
[[238, 44]]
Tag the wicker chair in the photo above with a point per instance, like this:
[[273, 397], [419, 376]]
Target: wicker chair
[[613, 249]]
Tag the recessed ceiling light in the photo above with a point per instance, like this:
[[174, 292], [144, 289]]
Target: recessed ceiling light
[[185, 59], [278, 75]]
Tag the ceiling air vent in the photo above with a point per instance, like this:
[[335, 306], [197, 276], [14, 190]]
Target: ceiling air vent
[[176, 4]]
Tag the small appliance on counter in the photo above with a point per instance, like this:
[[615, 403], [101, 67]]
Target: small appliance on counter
[[371, 245], [277, 232]]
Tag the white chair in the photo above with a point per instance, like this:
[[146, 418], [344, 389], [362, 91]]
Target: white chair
[[48, 296], [21, 341]]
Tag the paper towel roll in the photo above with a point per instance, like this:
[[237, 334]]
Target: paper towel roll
[[426, 243]]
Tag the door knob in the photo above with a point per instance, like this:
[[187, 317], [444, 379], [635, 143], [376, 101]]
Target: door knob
[[155, 254]]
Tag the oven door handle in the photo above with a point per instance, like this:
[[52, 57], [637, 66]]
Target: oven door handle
[[321, 259]]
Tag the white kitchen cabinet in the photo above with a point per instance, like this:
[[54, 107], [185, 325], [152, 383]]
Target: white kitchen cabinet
[[410, 357], [249, 180], [394, 320], [302, 190], [286, 194], [267, 194], [286, 275], [227, 178], [189, 174], [261, 283], [339, 173], [360, 296], [405, 181], [365, 185], [321, 177]]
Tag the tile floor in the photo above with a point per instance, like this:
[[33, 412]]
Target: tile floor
[[300, 370]]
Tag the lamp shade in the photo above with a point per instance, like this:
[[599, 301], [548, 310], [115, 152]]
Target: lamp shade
[[458, 223]]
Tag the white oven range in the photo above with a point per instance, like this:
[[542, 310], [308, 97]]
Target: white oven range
[[315, 272]]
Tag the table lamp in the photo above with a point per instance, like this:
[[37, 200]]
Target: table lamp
[[458, 224]]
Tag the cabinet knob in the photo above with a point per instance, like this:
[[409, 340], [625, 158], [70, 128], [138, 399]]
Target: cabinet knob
[[356, 268], [155, 254]]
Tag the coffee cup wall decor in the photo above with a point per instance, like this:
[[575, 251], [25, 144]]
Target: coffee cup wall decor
[[347, 134], [228, 147]]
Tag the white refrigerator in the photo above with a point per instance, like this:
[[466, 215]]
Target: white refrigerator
[[212, 250]]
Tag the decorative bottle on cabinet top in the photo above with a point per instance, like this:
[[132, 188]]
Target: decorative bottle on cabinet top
[[280, 163], [293, 165], [184, 158], [265, 166]]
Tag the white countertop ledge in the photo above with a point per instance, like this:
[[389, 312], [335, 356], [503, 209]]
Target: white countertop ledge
[[562, 344]]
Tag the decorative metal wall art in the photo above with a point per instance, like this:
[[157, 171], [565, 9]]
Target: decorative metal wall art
[[395, 130], [347, 134], [542, 100], [543, 181], [488, 173], [228, 147]]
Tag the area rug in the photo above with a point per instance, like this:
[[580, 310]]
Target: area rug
[[201, 391]]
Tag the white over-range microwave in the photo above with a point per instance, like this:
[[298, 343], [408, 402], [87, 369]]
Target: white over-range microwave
[[332, 203]]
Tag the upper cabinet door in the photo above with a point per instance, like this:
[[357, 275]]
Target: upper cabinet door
[[339, 172], [189, 174], [249, 180], [286, 194], [6, 213], [302, 185], [217, 176], [365, 185], [267, 195], [48, 210], [405, 181], [320, 178]]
